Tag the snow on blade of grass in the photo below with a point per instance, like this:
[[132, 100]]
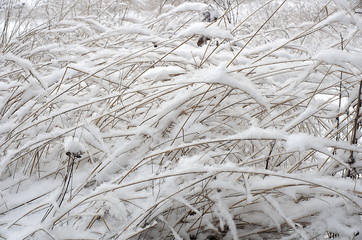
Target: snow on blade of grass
[[206, 30], [161, 73], [339, 57], [219, 75], [225, 218], [188, 6], [26, 65]]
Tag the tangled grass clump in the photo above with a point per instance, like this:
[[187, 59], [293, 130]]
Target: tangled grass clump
[[116, 123]]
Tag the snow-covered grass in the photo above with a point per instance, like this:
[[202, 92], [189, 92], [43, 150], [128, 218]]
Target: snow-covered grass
[[172, 120]]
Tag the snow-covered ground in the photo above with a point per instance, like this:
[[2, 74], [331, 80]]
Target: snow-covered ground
[[180, 120]]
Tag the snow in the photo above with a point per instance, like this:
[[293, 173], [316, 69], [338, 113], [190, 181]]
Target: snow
[[205, 29], [6, 86], [188, 6], [73, 145], [114, 124], [219, 75], [161, 73], [222, 211], [342, 58], [26, 65]]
